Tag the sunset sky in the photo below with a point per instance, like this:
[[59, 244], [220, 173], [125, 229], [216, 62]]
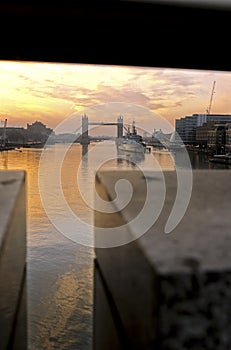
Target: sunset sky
[[51, 93]]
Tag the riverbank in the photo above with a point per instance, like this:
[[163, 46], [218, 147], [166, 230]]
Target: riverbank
[[6, 148]]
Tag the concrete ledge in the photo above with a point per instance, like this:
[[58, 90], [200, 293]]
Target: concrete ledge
[[13, 319], [168, 291]]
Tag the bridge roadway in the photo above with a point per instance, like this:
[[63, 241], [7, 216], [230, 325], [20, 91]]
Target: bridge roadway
[[101, 123]]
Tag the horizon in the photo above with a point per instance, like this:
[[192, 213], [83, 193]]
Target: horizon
[[103, 134]]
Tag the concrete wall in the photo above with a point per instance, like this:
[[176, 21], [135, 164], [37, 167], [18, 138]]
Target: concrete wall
[[166, 291], [13, 288]]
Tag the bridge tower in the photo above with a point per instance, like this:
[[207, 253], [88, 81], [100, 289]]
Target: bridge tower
[[84, 138], [120, 127]]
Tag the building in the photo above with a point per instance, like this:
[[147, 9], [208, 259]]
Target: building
[[187, 126], [38, 132], [13, 135], [228, 139], [202, 133], [217, 139]]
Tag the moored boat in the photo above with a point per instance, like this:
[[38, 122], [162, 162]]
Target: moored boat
[[132, 142], [221, 158], [130, 145]]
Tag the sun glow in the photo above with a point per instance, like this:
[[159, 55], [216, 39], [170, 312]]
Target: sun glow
[[51, 92]]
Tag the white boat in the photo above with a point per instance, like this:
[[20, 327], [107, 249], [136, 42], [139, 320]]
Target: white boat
[[175, 142], [221, 158], [130, 145], [132, 142]]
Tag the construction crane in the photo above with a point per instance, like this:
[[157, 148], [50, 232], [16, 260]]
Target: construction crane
[[208, 110]]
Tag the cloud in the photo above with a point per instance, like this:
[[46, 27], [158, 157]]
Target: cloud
[[52, 92]]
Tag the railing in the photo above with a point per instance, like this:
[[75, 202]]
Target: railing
[[164, 291], [13, 286]]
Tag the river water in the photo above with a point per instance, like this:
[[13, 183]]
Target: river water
[[60, 270]]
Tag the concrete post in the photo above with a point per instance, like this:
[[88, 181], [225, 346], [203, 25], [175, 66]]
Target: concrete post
[[166, 291], [120, 127], [84, 137], [13, 286]]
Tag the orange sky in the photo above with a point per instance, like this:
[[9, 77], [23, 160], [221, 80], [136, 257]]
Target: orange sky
[[153, 97]]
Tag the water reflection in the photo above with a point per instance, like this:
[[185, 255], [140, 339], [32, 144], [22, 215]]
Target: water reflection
[[164, 158], [4, 159], [85, 153], [178, 158], [200, 160], [60, 272], [131, 158]]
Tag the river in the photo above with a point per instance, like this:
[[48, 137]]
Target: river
[[60, 270]]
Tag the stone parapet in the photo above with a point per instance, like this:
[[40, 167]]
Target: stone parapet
[[13, 288], [165, 291]]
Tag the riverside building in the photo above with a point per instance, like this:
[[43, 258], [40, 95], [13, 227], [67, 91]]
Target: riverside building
[[228, 139], [187, 126]]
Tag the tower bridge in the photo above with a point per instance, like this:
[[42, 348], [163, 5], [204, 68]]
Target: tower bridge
[[85, 123]]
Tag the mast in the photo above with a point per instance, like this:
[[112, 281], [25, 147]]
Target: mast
[[134, 132], [3, 141]]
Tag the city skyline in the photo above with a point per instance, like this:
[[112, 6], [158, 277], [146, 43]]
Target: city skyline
[[153, 97]]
